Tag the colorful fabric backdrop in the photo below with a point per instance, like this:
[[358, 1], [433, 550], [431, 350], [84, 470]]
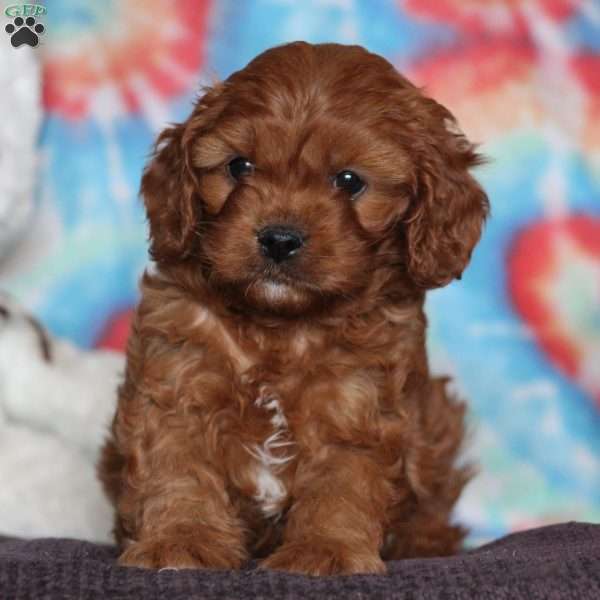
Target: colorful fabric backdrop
[[521, 331]]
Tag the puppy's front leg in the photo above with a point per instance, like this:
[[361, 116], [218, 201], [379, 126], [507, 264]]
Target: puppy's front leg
[[172, 503], [186, 523], [336, 523]]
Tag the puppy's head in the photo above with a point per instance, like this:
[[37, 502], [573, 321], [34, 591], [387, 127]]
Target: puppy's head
[[309, 174]]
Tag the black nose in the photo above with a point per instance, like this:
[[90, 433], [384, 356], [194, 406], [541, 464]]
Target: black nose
[[279, 243]]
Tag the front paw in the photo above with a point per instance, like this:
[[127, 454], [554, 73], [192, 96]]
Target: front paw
[[177, 553], [324, 557]]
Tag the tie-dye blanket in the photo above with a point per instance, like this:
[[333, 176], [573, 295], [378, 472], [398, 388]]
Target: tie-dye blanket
[[520, 332]]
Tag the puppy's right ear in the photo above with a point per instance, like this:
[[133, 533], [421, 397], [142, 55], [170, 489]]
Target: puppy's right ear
[[171, 200], [170, 187]]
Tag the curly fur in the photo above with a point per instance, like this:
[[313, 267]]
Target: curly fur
[[288, 412]]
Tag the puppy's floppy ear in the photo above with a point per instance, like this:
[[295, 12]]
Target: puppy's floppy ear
[[170, 186], [169, 193], [448, 213]]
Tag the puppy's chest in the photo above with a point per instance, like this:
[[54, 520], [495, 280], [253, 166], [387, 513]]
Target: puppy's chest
[[288, 394]]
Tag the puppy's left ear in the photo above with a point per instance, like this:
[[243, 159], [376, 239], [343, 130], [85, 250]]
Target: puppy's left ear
[[449, 210]]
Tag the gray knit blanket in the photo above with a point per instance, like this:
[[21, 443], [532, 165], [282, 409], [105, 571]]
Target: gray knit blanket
[[558, 562]]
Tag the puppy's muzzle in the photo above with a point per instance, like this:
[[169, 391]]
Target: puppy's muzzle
[[279, 243]]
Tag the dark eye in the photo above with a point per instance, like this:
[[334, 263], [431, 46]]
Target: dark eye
[[239, 167], [350, 182]]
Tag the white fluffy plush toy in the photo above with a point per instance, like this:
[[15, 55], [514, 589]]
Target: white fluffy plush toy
[[55, 405], [55, 400], [21, 116]]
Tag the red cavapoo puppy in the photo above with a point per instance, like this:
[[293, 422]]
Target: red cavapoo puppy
[[277, 401]]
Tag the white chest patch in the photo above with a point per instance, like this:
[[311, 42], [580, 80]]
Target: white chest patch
[[270, 491]]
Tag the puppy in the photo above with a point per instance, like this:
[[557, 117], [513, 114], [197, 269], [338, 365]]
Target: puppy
[[277, 401]]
